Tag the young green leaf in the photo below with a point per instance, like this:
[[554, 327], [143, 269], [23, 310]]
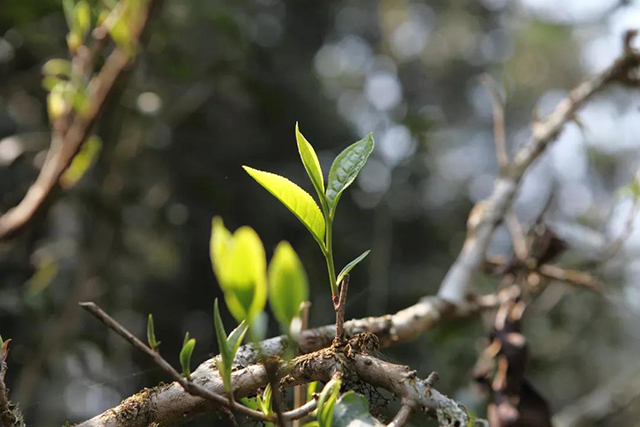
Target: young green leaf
[[228, 346], [352, 410], [185, 356], [347, 268], [298, 201], [57, 67], [288, 284], [311, 388], [311, 163], [345, 168], [186, 338], [239, 263], [326, 402], [264, 401], [151, 334]]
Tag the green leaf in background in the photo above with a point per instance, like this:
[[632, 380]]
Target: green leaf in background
[[311, 164], [151, 333], [347, 268], [82, 18], [228, 346], [298, 201], [264, 401], [345, 168], [239, 262], [185, 357], [82, 161], [288, 284], [352, 410], [57, 67], [327, 401], [311, 388]]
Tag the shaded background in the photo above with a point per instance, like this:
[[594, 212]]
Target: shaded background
[[221, 84]]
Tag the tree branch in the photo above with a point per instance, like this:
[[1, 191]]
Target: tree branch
[[487, 214], [65, 143], [173, 406]]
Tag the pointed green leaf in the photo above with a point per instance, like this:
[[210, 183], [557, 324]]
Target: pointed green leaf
[[265, 401], [235, 339], [310, 162], [288, 284], [223, 348], [298, 201], [151, 334], [347, 268], [345, 168], [185, 357], [352, 410], [82, 15]]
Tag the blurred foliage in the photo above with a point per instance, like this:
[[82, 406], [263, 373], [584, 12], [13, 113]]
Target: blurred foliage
[[222, 84]]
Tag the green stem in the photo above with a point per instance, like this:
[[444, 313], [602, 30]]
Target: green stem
[[330, 266], [328, 249]]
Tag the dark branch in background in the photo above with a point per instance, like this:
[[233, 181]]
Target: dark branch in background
[[70, 131], [176, 406]]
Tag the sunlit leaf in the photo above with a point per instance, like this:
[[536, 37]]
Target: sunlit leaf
[[345, 168], [288, 284], [347, 268], [311, 388], [298, 201], [310, 162], [352, 410], [239, 262]]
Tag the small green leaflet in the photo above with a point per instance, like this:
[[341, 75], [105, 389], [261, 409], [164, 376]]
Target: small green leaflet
[[185, 357], [352, 410], [311, 163], [288, 284], [345, 168], [151, 334], [347, 268], [228, 346], [298, 201]]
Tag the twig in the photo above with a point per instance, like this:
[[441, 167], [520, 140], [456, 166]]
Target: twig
[[402, 417], [575, 278], [497, 109], [189, 386], [340, 309], [66, 140], [491, 211], [615, 246]]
